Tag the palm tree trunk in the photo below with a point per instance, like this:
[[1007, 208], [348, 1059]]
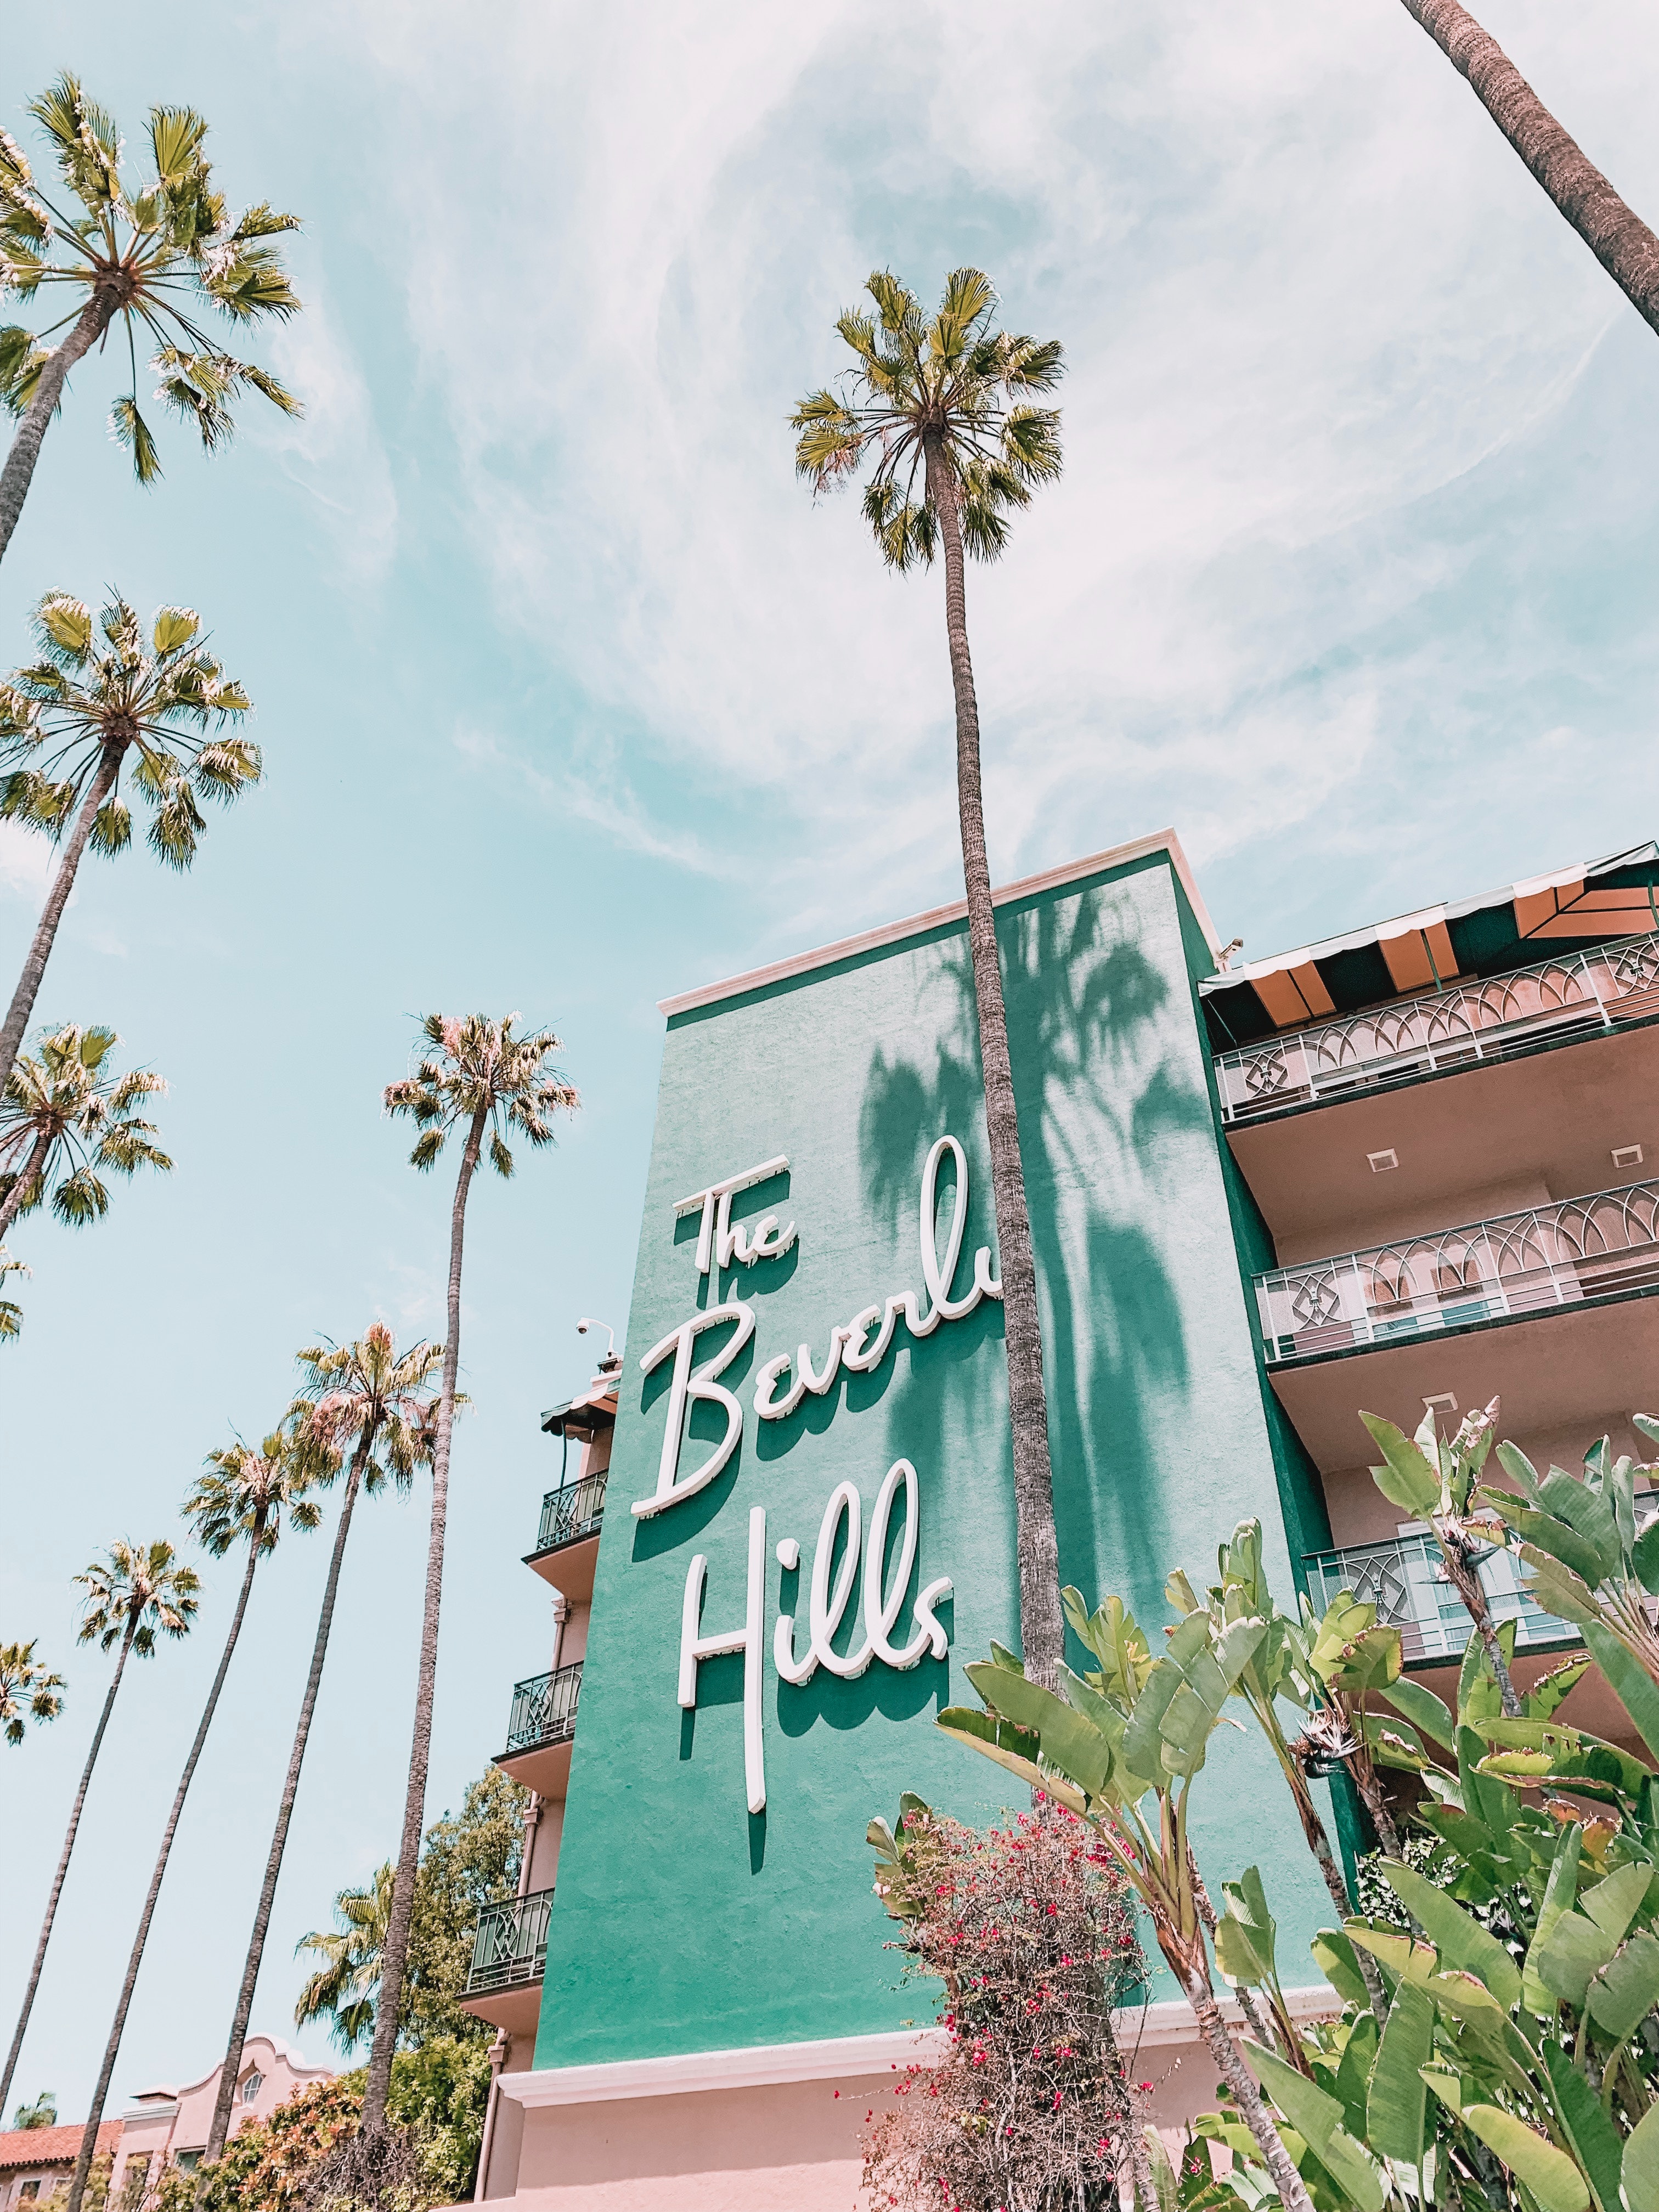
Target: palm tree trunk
[[34, 967], [1246, 2094], [31, 1168], [15, 479], [256, 1949], [389, 2004], [1042, 1628], [1615, 234], [63, 1865], [90, 2139]]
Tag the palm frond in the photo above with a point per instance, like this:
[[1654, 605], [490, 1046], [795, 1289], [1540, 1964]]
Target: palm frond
[[128, 427]]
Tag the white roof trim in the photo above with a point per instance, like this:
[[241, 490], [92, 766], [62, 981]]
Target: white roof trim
[[837, 2058], [916, 925]]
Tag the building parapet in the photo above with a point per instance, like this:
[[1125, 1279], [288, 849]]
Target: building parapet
[[1575, 1253], [1458, 1026]]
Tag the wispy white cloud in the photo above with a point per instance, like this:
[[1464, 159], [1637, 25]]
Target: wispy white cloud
[[334, 451], [592, 789], [25, 863]]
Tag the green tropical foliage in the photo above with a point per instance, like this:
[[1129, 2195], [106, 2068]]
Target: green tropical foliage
[[342, 1990], [28, 1691], [477, 1075], [956, 382], [153, 255], [11, 1314], [42, 2114], [66, 1120], [136, 1593]]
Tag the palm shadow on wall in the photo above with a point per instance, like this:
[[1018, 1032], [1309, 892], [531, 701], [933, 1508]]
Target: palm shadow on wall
[[1101, 1095]]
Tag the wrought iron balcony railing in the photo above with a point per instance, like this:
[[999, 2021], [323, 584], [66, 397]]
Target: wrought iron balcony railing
[[1404, 1579], [1452, 1028], [545, 1708], [574, 1511], [1571, 1254], [510, 1947]]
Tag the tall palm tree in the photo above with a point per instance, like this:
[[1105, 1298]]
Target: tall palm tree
[[364, 1398], [63, 1115], [135, 1594], [946, 409], [475, 1075], [68, 722], [150, 254], [241, 1498], [343, 1987], [27, 1690], [1614, 233]]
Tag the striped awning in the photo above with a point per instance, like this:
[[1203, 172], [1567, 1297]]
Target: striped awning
[[1508, 928]]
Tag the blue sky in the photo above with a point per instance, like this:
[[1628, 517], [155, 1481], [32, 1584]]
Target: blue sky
[[570, 699]]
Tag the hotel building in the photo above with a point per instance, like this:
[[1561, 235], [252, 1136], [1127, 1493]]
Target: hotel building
[[1412, 1166]]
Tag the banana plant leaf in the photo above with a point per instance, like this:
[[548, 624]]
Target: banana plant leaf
[[1626, 1990], [1633, 1684], [1398, 2095], [1317, 2116], [1594, 2138], [1640, 2174], [1460, 1940]]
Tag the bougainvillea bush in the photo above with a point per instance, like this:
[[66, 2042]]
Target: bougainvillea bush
[[1032, 1934]]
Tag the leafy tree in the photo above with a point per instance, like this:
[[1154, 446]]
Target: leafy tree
[[135, 1594], [1615, 234], [241, 1499], [468, 1861], [70, 720], [42, 2114], [64, 1118], [26, 1690], [475, 1075], [267, 2166], [944, 408], [154, 254], [364, 1399]]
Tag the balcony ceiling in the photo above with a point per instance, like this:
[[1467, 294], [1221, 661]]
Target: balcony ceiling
[[570, 1568], [1511, 1133], [1575, 1371], [544, 1767], [518, 2010]]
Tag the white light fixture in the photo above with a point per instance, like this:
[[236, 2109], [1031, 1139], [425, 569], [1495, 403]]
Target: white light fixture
[[1442, 1402], [1627, 1156], [1382, 1162]]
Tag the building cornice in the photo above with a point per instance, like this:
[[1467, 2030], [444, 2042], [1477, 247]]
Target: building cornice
[[941, 917], [837, 2058]]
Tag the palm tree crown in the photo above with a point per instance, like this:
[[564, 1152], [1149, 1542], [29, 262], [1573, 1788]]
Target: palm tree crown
[[64, 1118], [480, 1071], [954, 384], [153, 254], [343, 1987], [81, 708], [25, 1689], [364, 1393], [139, 1591], [241, 1497]]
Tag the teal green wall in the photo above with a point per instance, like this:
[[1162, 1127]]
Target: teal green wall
[[681, 1922]]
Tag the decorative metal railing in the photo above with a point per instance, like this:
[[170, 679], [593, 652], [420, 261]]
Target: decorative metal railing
[[574, 1511], [1404, 1579], [545, 1708], [1572, 1254], [510, 1946], [1451, 1027]]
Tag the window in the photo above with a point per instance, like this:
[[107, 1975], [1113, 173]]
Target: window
[[252, 2086], [187, 2161], [27, 2191]]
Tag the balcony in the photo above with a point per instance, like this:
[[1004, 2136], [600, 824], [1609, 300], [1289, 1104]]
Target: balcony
[[1458, 1027], [572, 1511], [1404, 1579], [510, 1948], [540, 1730], [1581, 1252]]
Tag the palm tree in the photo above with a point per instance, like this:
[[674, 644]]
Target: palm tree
[[11, 1314], [27, 1688], [139, 1592], [1615, 234], [360, 1394], [89, 708], [150, 255], [475, 1075], [241, 1498], [944, 408], [343, 1987], [63, 1118], [42, 2114]]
